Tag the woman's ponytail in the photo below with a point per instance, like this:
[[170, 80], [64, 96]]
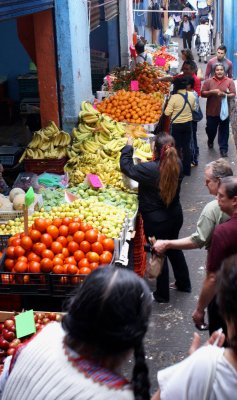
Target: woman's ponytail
[[169, 173], [141, 383]]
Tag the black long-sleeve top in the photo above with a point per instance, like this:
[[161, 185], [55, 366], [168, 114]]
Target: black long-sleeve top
[[147, 175]]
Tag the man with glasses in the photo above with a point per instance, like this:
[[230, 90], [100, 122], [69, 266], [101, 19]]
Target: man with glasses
[[210, 216], [215, 89], [223, 245]]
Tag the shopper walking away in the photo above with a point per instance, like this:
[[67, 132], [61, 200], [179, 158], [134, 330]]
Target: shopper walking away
[[210, 372], [215, 90], [159, 204], [106, 322], [169, 31], [203, 33], [223, 244], [179, 108], [219, 59], [199, 116], [186, 31]]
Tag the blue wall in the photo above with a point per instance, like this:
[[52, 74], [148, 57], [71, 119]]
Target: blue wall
[[230, 29], [14, 60]]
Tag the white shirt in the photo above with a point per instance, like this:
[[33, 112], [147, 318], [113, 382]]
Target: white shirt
[[186, 26], [144, 57], [203, 31], [205, 375], [171, 25]]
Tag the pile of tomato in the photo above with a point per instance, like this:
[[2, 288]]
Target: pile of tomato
[[62, 246]]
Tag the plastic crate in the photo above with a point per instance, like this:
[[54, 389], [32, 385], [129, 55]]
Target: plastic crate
[[64, 284], [28, 85], [9, 155], [45, 165], [27, 284], [6, 215], [4, 241]]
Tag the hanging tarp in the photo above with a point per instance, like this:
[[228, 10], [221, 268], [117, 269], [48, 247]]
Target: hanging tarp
[[111, 9], [18, 8]]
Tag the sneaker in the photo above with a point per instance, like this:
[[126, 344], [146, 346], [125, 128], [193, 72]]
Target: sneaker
[[224, 154], [194, 163], [159, 299], [210, 144]]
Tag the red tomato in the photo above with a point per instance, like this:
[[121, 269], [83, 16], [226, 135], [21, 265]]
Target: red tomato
[[108, 244], [92, 257], [69, 238], [70, 260], [38, 248], [46, 239], [101, 237], [73, 246], [85, 246], [48, 222], [33, 257], [11, 252], [79, 236], [22, 258], [26, 243], [16, 242], [46, 265], [84, 271], [63, 230], [47, 254], [73, 227], [84, 226], [57, 261], [21, 266], [94, 266], [53, 231], [58, 269], [56, 247], [106, 257], [77, 219], [91, 235], [83, 263], [78, 255], [19, 251], [62, 240], [40, 224], [9, 264], [72, 269], [97, 247], [34, 267], [65, 252], [57, 222], [67, 221], [35, 235]]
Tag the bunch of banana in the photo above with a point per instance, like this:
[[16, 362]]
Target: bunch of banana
[[115, 145], [63, 139], [80, 136], [101, 138]]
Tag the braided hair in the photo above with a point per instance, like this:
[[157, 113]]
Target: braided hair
[[169, 167], [227, 296], [107, 317]]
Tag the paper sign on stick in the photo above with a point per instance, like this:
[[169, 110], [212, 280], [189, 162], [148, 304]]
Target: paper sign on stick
[[160, 61], [29, 197], [94, 181], [25, 324], [135, 86]]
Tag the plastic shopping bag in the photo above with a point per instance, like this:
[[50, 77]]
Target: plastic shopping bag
[[155, 262], [224, 109]]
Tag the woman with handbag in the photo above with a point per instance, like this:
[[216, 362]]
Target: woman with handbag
[[203, 33], [158, 193], [179, 108]]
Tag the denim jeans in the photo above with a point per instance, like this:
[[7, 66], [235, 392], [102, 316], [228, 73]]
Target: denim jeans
[[213, 123]]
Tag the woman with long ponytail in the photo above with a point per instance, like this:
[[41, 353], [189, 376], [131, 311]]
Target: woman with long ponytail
[[158, 194]]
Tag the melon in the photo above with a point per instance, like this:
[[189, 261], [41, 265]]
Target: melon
[[14, 192], [19, 201]]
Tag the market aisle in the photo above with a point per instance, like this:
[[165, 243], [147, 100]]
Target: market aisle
[[171, 327]]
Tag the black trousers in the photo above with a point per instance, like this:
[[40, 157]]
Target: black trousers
[[187, 40], [213, 123], [168, 229], [182, 134]]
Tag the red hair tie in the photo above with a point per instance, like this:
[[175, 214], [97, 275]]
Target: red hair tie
[[163, 150]]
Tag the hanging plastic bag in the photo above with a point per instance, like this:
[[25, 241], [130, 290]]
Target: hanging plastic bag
[[224, 109]]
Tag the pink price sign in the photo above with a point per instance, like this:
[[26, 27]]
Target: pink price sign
[[160, 61], [135, 86], [109, 80], [94, 181]]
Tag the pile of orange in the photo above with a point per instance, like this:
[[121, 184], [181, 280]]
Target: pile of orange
[[132, 107], [146, 75]]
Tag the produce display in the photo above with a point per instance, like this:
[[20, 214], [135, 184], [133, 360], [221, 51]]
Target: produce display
[[61, 246], [126, 201], [108, 220], [161, 53], [48, 142], [13, 202], [8, 340], [134, 107], [142, 150]]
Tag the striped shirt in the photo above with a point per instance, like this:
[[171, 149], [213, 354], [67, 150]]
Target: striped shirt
[[45, 371]]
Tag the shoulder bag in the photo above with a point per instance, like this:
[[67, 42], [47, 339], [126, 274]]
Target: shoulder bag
[[197, 114]]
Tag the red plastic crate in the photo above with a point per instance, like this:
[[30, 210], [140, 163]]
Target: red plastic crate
[[45, 165]]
